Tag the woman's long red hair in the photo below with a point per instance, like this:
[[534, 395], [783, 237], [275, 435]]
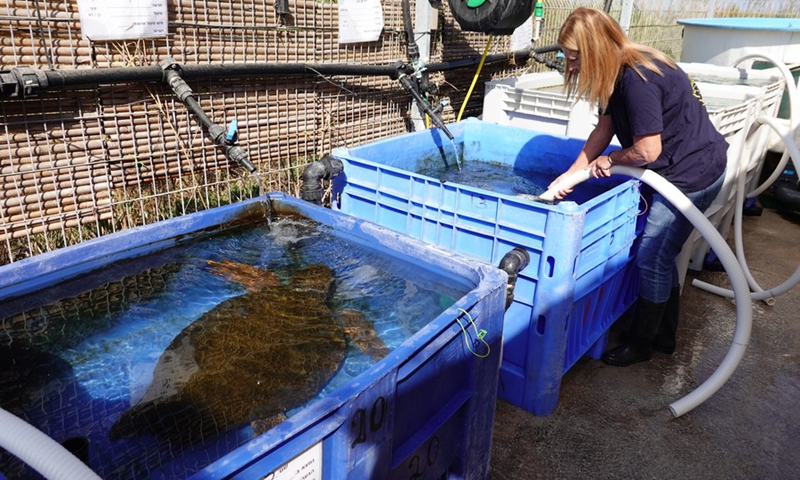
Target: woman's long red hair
[[604, 49]]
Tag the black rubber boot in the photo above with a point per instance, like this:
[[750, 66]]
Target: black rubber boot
[[644, 328], [665, 339]]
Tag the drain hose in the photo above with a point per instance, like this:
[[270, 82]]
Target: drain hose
[[512, 263], [791, 150], [794, 119], [744, 314], [759, 293], [39, 451]]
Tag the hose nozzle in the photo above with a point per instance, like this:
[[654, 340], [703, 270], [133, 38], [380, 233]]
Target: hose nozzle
[[408, 84]]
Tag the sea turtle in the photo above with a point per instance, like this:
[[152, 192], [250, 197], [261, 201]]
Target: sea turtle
[[251, 358]]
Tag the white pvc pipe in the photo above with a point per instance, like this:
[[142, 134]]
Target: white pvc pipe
[[791, 89], [760, 293], [790, 151], [741, 180], [41, 452], [771, 293], [537, 30], [569, 182], [740, 288], [773, 176], [625, 15], [794, 115]]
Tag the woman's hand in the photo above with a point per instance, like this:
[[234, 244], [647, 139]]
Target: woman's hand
[[561, 192], [601, 166]]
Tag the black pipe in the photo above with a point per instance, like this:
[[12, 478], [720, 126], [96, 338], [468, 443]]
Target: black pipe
[[172, 74], [426, 108], [194, 105], [553, 64], [413, 48], [547, 48], [96, 76], [421, 84], [787, 192], [519, 55], [315, 172], [512, 263], [282, 8], [26, 81], [256, 69], [65, 78]]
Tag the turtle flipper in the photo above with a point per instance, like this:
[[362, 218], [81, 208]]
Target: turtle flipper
[[252, 278], [176, 420], [362, 333]]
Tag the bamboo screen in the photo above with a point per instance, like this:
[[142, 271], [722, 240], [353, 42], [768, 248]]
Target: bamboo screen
[[82, 162]]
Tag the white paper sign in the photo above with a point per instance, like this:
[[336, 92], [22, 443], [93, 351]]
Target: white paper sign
[[306, 466], [521, 38], [360, 20], [123, 19]]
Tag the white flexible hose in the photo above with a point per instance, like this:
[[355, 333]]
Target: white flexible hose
[[773, 176], [787, 137], [39, 451], [759, 294], [741, 180], [792, 151], [740, 288], [763, 295], [794, 115], [791, 88]]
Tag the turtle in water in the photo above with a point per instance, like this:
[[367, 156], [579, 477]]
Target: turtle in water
[[250, 359]]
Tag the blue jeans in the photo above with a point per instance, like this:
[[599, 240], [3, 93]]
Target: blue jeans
[[665, 232]]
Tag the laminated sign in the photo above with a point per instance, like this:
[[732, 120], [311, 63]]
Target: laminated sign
[[104, 20], [360, 21], [521, 38]]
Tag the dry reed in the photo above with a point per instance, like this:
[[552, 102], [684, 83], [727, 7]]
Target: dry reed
[[81, 163]]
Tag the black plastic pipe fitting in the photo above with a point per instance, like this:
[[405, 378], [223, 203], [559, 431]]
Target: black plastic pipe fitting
[[325, 168], [512, 263]]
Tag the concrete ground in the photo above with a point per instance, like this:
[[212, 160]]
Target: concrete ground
[[612, 422]]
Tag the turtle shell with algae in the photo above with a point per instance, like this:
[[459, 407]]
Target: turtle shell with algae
[[250, 359]]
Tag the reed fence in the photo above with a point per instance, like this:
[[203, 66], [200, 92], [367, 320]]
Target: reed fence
[[81, 162]]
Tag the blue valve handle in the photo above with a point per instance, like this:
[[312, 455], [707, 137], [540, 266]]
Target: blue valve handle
[[233, 131]]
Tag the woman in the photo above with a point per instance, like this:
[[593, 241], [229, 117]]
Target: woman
[[662, 124]]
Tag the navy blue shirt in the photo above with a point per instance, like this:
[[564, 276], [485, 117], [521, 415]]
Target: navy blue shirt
[[694, 153]]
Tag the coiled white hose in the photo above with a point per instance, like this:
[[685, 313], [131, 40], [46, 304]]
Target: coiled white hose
[[790, 151], [794, 118], [744, 314], [41, 452], [762, 295], [759, 293]]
